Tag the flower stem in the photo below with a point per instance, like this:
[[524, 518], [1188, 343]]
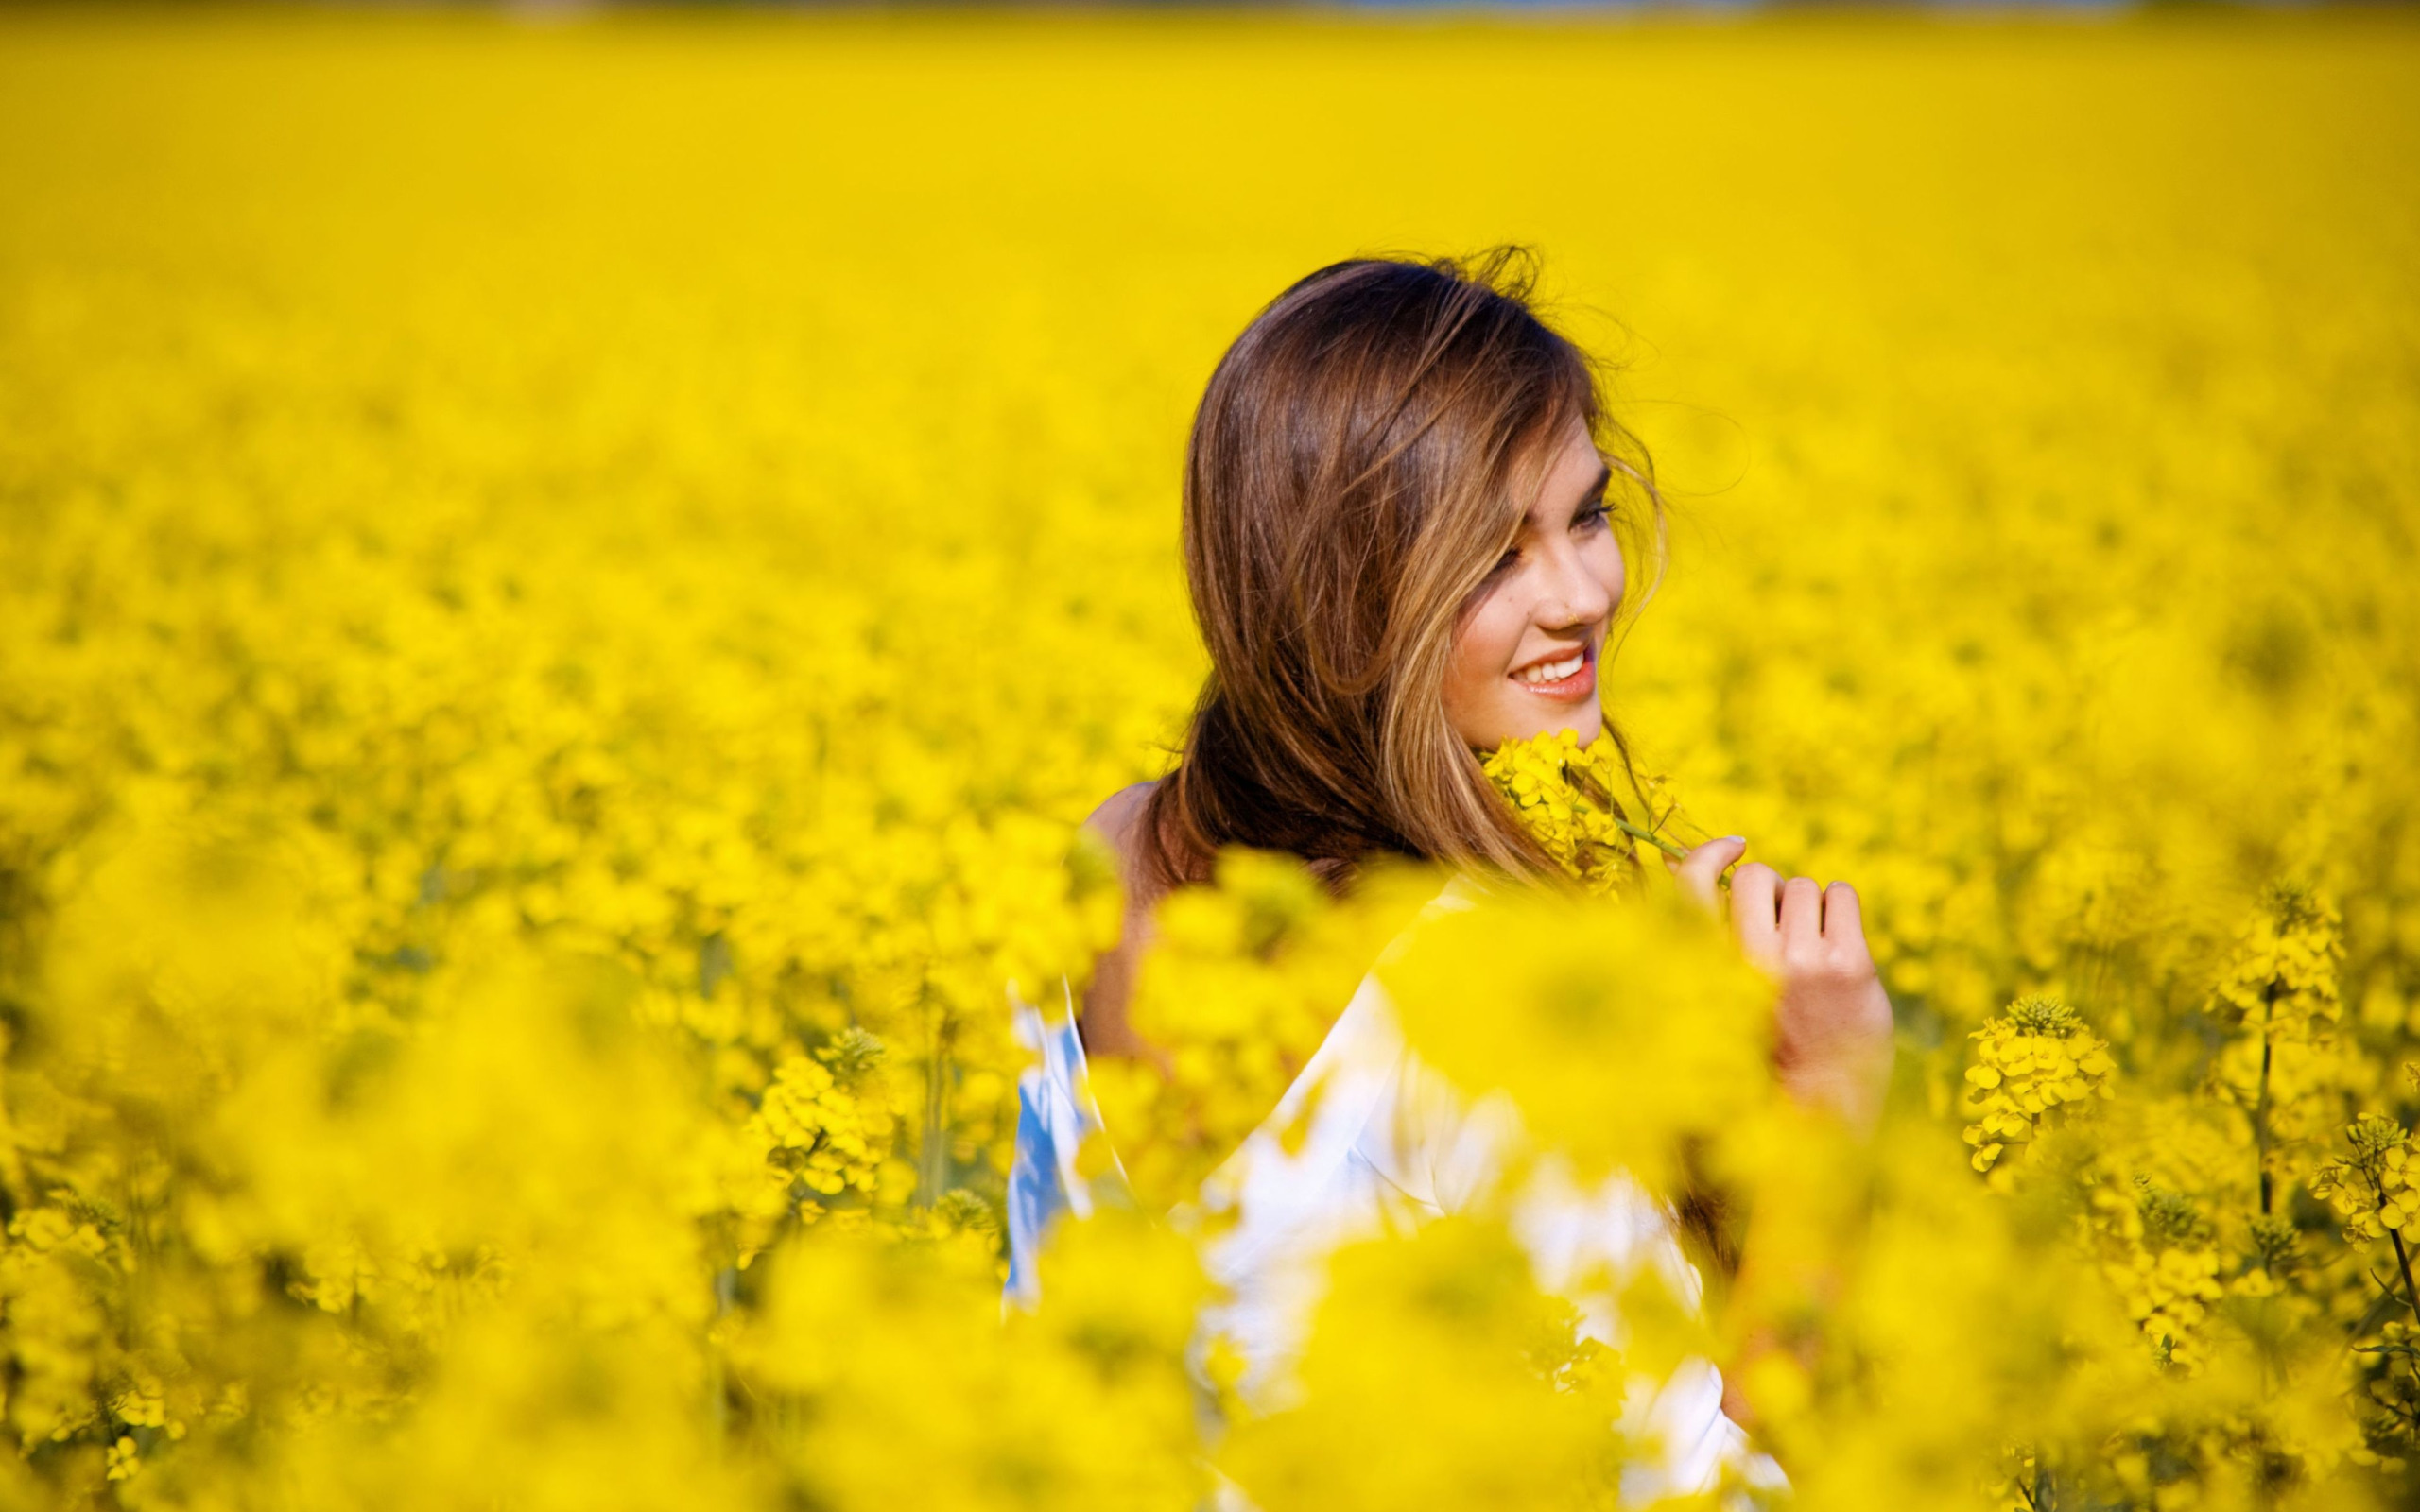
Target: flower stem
[[1676, 852], [2404, 1260], [2260, 1110]]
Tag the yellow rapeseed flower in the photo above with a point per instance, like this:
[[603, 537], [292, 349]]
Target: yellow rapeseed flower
[[2030, 1063]]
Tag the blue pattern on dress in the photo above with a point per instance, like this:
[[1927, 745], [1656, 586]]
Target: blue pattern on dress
[[1051, 1127]]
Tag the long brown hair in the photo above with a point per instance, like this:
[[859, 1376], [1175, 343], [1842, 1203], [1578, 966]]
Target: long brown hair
[[1365, 453]]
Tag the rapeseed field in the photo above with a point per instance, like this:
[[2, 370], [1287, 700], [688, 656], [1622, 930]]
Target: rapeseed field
[[566, 583]]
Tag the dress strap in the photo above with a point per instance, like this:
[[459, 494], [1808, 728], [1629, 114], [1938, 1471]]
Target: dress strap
[[1055, 1115]]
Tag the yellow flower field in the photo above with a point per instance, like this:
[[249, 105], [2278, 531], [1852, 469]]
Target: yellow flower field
[[565, 583]]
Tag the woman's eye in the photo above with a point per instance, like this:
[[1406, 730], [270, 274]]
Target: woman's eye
[[1505, 563], [1590, 517]]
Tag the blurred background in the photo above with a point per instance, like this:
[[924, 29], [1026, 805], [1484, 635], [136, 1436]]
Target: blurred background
[[567, 574]]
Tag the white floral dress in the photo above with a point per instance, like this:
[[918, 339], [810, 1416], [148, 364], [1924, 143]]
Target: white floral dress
[[1389, 1143]]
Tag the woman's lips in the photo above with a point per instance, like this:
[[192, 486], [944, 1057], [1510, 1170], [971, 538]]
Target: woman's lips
[[1571, 687]]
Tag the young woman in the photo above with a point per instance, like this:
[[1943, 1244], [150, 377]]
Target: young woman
[[1407, 515]]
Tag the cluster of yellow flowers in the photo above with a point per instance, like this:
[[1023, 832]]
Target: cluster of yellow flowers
[[2030, 1061], [565, 589], [814, 1123], [2165, 1272], [1566, 795], [2370, 1188], [2283, 975]]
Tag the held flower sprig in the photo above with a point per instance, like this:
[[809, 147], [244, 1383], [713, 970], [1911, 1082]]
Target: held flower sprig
[[2030, 1062], [1564, 794]]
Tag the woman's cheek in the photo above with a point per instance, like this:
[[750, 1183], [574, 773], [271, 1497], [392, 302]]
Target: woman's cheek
[[1474, 681], [1606, 559], [1467, 707]]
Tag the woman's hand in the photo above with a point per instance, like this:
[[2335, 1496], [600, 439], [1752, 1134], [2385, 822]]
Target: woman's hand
[[1832, 1040]]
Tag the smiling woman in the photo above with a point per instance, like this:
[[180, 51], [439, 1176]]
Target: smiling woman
[[1366, 530], [1405, 553], [1374, 592]]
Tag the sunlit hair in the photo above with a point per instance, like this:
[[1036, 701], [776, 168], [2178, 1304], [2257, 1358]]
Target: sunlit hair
[[1365, 452]]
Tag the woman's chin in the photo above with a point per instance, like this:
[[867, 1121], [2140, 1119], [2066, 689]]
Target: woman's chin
[[1586, 722]]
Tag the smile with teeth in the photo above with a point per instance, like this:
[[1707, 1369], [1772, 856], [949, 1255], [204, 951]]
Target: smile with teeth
[[1566, 678], [1553, 671]]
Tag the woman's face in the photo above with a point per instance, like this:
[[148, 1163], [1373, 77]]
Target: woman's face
[[1524, 655]]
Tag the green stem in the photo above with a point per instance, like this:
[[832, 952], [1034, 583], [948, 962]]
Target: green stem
[[2404, 1260], [2260, 1105], [1676, 852], [932, 1164], [718, 1387]]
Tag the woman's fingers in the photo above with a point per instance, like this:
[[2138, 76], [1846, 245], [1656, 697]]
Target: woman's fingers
[[1778, 921], [1802, 916], [1832, 1019], [1698, 871], [1843, 918], [1756, 911]]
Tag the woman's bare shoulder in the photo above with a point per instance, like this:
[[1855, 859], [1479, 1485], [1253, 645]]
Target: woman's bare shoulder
[[1119, 821]]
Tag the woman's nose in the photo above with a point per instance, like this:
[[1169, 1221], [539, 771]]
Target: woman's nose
[[1574, 596]]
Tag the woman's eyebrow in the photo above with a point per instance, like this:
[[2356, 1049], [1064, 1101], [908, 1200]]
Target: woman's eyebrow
[[1595, 493]]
